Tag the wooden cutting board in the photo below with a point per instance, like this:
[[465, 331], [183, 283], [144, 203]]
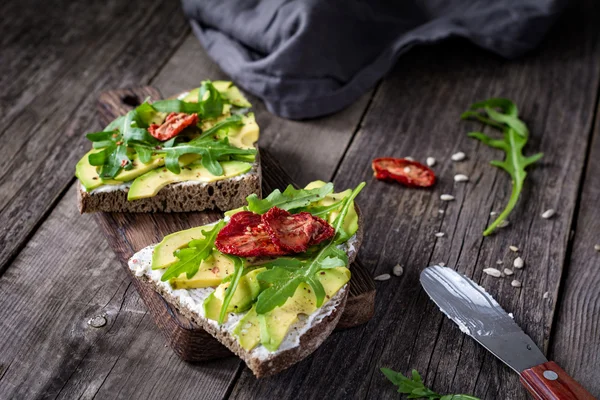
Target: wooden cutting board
[[128, 233]]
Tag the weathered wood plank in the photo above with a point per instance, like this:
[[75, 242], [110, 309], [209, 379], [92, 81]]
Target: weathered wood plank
[[575, 344], [416, 112], [307, 150], [113, 44]]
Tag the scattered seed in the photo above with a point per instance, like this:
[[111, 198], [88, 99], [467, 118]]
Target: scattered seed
[[409, 158], [518, 263], [440, 211], [430, 161], [515, 283], [499, 262], [493, 272], [97, 322], [398, 270], [461, 178], [513, 248], [546, 295], [458, 156], [442, 264], [447, 197], [439, 234], [503, 224], [548, 213], [597, 247], [407, 170], [493, 213], [511, 315], [382, 277], [508, 271]]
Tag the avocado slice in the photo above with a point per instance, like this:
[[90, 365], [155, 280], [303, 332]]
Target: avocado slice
[[274, 325], [162, 256], [139, 168], [148, 184], [351, 220], [245, 135], [88, 174], [210, 274], [228, 91], [245, 294]]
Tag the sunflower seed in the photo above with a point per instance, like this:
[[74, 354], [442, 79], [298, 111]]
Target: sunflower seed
[[597, 247], [447, 197], [409, 158], [439, 234], [493, 213], [458, 156], [546, 295], [398, 270], [548, 213], [440, 211], [461, 178], [508, 271], [382, 277], [430, 161], [503, 224], [515, 283], [513, 248], [519, 263], [442, 264], [493, 272], [499, 262], [97, 322]]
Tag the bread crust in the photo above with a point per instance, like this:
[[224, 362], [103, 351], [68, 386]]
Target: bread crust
[[224, 195], [276, 363]]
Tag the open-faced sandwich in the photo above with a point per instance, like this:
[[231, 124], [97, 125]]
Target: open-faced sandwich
[[270, 280], [191, 153]]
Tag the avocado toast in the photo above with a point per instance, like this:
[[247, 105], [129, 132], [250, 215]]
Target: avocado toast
[[191, 153], [270, 280]]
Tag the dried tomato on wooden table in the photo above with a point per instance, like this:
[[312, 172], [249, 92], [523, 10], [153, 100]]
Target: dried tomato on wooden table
[[173, 125], [407, 172], [274, 233]]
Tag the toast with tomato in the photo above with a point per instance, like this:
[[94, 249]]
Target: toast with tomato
[[191, 153], [270, 280]]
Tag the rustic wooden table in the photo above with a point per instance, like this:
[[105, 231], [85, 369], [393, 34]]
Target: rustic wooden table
[[57, 271]]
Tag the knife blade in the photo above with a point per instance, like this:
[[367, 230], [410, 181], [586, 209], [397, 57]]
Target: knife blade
[[480, 316]]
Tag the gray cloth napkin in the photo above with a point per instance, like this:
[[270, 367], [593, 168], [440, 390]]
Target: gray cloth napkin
[[314, 57]]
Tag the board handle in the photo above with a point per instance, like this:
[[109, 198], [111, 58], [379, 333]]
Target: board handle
[[548, 381]]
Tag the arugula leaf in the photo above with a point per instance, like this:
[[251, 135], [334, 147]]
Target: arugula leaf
[[340, 234], [191, 257], [212, 105], [238, 270], [415, 389], [234, 120], [515, 136], [290, 198]]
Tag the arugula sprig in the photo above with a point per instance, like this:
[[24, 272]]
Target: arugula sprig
[[415, 389], [238, 271], [285, 274], [290, 198], [189, 258], [515, 136]]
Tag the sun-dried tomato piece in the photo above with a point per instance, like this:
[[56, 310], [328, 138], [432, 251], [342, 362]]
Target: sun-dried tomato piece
[[173, 125], [245, 236], [406, 172], [294, 233]]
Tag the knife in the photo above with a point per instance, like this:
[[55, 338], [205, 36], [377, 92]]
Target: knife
[[478, 315]]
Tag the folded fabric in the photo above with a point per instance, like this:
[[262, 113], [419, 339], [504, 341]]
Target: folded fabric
[[307, 58]]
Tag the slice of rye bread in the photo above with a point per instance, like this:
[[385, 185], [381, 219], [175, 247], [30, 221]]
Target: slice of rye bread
[[224, 195], [309, 341]]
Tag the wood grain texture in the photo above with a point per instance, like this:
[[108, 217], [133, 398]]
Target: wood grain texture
[[428, 90], [61, 55], [548, 381], [576, 340], [307, 150]]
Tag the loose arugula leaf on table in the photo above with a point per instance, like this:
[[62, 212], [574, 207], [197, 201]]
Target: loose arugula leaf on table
[[238, 271], [515, 136], [290, 198], [285, 275], [189, 258], [415, 389]]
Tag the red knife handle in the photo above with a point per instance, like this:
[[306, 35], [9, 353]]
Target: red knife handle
[[548, 381]]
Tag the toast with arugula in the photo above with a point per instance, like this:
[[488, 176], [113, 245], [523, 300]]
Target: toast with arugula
[[270, 280], [191, 153]]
